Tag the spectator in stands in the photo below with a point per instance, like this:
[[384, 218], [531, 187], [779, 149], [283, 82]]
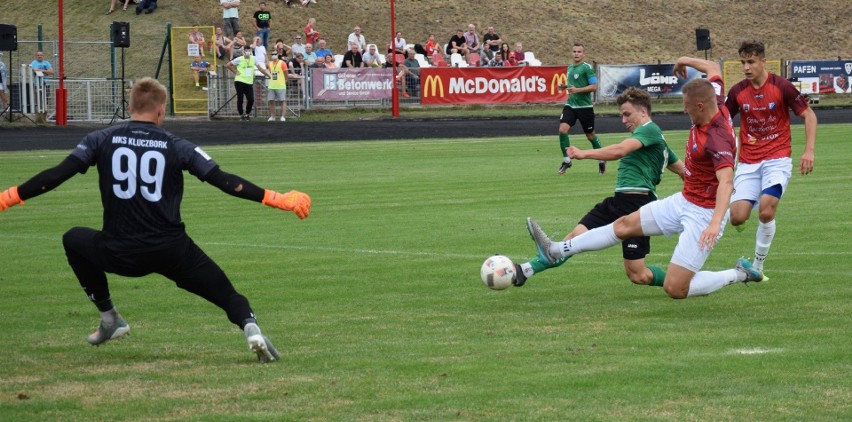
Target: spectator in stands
[[197, 37], [277, 87], [311, 34], [243, 68], [259, 52], [471, 38], [199, 67], [224, 45], [491, 43], [306, 3], [41, 68], [147, 5], [371, 57], [3, 83], [112, 6], [497, 61], [399, 44], [296, 65], [504, 51], [240, 41], [230, 16], [282, 49], [298, 47], [356, 37], [322, 51], [409, 75], [519, 54], [353, 57], [431, 46], [458, 44], [310, 56], [261, 23], [328, 62]]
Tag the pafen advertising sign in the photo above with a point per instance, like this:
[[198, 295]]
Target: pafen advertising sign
[[822, 77], [657, 79]]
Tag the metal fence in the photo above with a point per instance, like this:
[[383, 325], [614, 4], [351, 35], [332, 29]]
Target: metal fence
[[94, 100], [222, 97]]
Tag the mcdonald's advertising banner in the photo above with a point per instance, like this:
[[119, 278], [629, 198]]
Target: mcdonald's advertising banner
[[351, 84], [657, 79], [489, 85], [822, 77]]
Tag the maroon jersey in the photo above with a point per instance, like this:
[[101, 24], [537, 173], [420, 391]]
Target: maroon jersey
[[765, 121], [710, 147]]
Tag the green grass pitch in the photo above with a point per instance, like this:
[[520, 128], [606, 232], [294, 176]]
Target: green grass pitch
[[376, 304]]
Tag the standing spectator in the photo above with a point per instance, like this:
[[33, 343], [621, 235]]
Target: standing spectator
[[353, 57], [471, 38], [142, 229], [197, 37], [458, 44], [409, 75], [230, 16], [243, 68], [277, 87], [322, 51], [490, 44], [224, 45], [147, 5], [298, 47], [114, 2], [261, 23], [765, 163], [41, 68], [371, 57], [199, 67], [310, 56], [259, 52], [311, 34], [3, 83], [580, 84], [356, 37], [519, 54]]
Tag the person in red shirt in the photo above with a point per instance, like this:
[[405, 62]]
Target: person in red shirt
[[765, 163], [311, 34], [698, 213]]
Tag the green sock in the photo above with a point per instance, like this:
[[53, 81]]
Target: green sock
[[564, 143], [596, 143], [659, 275], [538, 264]]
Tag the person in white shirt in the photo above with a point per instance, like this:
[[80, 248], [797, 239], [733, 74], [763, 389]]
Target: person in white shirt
[[298, 47], [357, 37], [259, 52]]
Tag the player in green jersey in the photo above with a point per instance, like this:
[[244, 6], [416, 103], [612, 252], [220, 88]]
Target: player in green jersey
[[644, 157], [581, 82]]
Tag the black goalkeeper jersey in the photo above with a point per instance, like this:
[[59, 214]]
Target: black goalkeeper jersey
[[140, 172]]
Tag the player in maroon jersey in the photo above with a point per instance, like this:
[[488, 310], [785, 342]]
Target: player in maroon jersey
[[698, 213], [765, 163]]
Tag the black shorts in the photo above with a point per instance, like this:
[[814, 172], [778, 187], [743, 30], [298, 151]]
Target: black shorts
[[586, 116], [611, 209]]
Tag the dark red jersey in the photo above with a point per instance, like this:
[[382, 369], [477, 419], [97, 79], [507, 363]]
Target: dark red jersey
[[764, 119], [710, 147]]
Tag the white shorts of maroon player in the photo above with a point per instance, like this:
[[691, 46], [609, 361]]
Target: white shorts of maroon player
[[751, 179]]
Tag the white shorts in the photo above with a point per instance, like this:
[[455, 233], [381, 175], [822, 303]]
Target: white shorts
[[276, 95], [673, 215], [751, 179]]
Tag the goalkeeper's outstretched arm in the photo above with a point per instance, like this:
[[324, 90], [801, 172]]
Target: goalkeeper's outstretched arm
[[298, 202], [43, 182]]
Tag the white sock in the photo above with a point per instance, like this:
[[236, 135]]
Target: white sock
[[527, 269], [592, 240], [706, 282], [108, 317], [566, 159], [765, 234]]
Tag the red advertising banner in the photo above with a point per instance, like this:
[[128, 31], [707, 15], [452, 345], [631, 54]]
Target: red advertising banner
[[489, 85]]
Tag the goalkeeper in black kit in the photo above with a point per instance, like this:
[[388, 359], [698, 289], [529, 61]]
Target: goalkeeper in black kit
[[140, 168]]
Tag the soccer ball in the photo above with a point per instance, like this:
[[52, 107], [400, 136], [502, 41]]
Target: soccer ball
[[497, 272]]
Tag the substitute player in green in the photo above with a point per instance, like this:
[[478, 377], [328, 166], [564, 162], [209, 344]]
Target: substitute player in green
[[644, 157], [580, 84]]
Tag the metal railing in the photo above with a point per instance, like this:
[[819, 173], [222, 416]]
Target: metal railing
[[222, 97]]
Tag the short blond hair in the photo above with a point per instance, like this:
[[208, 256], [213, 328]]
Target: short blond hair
[[700, 90], [147, 95]]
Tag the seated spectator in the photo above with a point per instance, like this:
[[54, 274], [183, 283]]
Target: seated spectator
[[328, 62], [409, 75], [310, 56], [458, 44], [353, 57], [282, 49], [497, 61], [240, 41], [505, 50], [224, 45], [322, 51], [112, 6], [199, 67], [431, 46], [197, 38], [259, 52], [311, 34], [519, 54], [399, 44], [295, 66], [371, 57], [298, 47], [147, 5], [357, 37]]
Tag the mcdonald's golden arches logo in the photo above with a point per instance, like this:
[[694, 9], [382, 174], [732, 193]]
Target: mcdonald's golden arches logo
[[433, 86], [556, 80]]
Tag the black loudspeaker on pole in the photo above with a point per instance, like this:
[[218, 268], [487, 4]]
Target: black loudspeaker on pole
[[702, 39], [8, 37], [120, 34]]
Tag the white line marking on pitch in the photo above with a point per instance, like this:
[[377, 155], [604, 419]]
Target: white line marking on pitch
[[753, 351]]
